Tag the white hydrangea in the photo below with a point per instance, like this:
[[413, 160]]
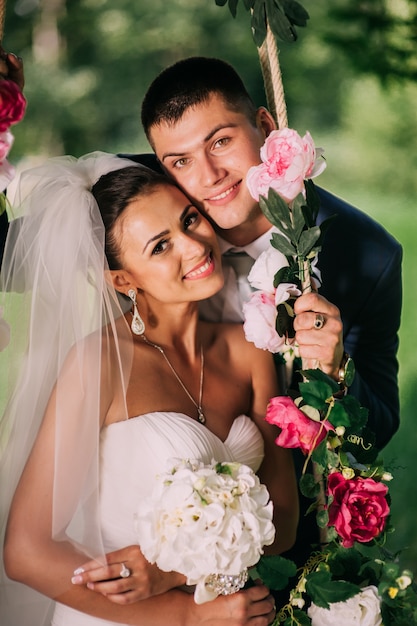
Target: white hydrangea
[[205, 519]]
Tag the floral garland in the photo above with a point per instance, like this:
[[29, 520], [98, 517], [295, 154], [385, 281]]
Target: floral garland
[[12, 110], [353, 578]]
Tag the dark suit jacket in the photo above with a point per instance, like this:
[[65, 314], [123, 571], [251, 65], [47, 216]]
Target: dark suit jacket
[[361, 274]]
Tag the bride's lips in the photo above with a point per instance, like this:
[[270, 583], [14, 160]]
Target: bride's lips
[[226, 195], [203, 269]]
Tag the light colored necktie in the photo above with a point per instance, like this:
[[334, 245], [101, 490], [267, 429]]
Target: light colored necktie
[[241, 263]]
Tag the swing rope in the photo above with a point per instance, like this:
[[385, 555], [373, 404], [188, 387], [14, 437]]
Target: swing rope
[[272, 77], [2, 17]]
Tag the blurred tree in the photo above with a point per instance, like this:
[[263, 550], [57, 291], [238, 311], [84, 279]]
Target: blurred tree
[[88, 62]]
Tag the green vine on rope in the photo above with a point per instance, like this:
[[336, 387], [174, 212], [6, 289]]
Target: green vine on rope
[[282, 16]]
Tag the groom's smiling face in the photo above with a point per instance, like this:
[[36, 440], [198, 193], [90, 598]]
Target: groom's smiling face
[[208, 152]]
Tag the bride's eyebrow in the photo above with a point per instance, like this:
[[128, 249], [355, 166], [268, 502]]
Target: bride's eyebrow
[[155, 238]]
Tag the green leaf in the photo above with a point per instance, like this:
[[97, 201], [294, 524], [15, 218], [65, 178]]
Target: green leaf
[[318, 374], [345, 563], [258, 22], [324, 591], [322, 518], [339, 416], [276, 210], [295, 12], [275, 571], [286, 275], [320, 455], [278, 21], [312, 202], [316, 393], [308, 486], [308, 240], [284, 319], [282, 244], [298, 219], [232, 7]]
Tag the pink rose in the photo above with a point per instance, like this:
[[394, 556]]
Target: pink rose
[[359, 509], [260, 313], [288, 160], [12, 104], [297, 430]]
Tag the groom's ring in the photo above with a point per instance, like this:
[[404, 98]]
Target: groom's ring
[[319, 321], [125, 571]]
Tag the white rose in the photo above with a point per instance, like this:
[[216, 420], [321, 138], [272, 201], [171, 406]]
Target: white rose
[[264, 269], [362, 610]]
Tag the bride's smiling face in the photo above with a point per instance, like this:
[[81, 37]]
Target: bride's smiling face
[[167, 248]]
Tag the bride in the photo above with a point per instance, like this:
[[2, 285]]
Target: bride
[[112, 373]]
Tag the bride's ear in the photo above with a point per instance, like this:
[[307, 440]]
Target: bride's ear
[[121, 280]]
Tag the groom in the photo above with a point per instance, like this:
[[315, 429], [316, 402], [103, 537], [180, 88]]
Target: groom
[[206, 133]]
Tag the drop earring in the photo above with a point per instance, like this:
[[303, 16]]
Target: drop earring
[[137, 325]]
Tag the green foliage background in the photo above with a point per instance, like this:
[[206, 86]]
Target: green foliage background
[[349, 79]]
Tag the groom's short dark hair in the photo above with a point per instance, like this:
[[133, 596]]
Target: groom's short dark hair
[[190, 82]]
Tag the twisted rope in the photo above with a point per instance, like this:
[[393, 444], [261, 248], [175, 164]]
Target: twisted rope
[[271, 72], [2, 17]]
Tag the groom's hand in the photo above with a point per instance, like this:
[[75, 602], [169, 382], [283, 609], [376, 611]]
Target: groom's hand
[[319, 333], [11, 68]]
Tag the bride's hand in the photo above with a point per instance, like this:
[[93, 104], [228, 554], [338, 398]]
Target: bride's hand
[[250, 607], [141, 581]]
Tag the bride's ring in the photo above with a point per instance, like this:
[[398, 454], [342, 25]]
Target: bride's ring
[[319, 321], [125, 571]]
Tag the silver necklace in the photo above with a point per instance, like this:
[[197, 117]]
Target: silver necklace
[[200, 415]]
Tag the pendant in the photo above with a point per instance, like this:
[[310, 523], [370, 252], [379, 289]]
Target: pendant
[[200, 416]]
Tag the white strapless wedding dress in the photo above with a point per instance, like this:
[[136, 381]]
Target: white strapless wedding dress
[[133, 453]]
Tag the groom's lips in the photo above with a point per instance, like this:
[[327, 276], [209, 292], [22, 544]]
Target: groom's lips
[[223, 197]]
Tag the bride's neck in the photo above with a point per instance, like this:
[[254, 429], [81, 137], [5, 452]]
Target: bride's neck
[[173, 326]]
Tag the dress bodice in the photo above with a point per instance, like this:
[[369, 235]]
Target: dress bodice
[[132, 454], [135, 451]]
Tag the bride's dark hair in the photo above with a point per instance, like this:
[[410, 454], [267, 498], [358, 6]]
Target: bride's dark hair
[[113, 192]]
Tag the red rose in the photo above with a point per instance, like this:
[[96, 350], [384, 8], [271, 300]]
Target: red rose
[[359, 509], [298, 430], [12, 104]]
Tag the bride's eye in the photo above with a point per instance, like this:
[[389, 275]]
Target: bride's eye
[[190, 219], [160, 247]]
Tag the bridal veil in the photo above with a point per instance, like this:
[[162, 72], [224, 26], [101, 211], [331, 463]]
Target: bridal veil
[[63, 313]]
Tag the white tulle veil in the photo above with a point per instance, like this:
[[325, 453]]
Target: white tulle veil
[[57, 301]]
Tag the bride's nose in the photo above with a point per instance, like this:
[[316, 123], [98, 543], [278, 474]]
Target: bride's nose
[[192, 247]]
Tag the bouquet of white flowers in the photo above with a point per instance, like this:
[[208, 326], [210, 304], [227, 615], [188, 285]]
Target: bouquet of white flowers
[[208, 522]]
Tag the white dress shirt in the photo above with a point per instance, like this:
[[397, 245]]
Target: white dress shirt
[[227, 304]]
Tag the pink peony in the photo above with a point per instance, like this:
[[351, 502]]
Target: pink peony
[[359, 509], [287, 160], [260, 313], [12, 104], [297, 430]]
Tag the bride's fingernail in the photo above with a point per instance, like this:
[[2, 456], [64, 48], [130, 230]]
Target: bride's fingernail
[[79, 570], [90, 586], [76, 579]]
